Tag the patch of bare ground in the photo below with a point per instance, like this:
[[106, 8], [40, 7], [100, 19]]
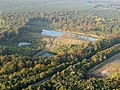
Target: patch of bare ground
[[106, 68], [65, 39], [53, 42]]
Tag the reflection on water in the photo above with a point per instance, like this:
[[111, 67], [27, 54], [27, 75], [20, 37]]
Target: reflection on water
[[60, 33], [47, 54], [23, 44], [52, 33]]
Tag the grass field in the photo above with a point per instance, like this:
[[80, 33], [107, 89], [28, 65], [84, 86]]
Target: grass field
[[108, 67]]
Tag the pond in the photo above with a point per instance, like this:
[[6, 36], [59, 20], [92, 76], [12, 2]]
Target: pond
[[60, 33], [23, 44], [52, 33], [48, 54]]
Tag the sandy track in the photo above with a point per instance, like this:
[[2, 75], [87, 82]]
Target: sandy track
[[107, 67]]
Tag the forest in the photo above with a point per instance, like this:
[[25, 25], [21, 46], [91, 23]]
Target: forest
[[82, 34]]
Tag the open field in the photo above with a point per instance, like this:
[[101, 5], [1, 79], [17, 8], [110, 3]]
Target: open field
[[108, 67], [68, 41]]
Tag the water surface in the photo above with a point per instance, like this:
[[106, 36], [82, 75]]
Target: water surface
[[60, 33], [48, 54], [24, 44]]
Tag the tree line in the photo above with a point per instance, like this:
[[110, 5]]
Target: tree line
[[17, 72]]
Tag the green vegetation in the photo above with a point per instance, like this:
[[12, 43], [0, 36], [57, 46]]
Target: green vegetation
[[74, 76], [72, 65], [31, 71], [108, 67]]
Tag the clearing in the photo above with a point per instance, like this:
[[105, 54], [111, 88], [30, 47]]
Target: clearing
[[106, 68]]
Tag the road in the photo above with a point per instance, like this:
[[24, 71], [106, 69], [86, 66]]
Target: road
[[40, 82], [107, 67]]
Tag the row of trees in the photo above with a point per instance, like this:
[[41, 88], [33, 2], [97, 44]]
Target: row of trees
[[19, 72], [74, 77], [14, 24], [11, 23], [19, 50], [76, 22]]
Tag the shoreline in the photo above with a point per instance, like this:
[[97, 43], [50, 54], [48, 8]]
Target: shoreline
[[72, 32], [90, 35]]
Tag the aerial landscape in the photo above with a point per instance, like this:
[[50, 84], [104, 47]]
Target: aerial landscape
[[59, 44]]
